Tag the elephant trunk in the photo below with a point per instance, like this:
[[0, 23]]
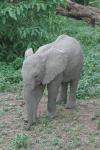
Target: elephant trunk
[[29, 107], [30, 104], [32, 98]]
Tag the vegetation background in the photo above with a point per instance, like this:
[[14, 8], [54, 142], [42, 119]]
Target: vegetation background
[[33, 23], [25, 24]]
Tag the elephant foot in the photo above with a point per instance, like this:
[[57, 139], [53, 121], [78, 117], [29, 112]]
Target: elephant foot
[[26, 119], [52, 114], [60, 100], [70, 105], [28, 126]]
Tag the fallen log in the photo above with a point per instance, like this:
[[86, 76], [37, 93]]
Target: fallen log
[[89, 14]]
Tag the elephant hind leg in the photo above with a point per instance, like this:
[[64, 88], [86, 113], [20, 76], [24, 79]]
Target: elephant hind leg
[[71, 102], [62, 97]]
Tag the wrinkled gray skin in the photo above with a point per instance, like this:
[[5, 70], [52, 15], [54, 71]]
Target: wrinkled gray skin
[[54, 64]]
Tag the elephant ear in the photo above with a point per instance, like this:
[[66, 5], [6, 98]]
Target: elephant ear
[[55, 64], [28, 52]]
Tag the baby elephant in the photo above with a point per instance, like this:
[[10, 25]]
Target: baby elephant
[[54, 64]]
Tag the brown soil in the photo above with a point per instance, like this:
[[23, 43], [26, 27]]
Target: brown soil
[[45, 132]]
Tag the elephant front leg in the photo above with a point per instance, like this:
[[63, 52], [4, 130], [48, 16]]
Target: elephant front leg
[[53, 87], [71, 102], [62, 97]]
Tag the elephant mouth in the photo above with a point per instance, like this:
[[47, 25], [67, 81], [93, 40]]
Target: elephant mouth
[[37, 83]]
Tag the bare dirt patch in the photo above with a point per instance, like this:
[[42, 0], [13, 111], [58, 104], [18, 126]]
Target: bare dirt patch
[[76, 128]]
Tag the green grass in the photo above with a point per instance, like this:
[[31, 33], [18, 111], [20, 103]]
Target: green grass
[[10, 75], [19, 142]]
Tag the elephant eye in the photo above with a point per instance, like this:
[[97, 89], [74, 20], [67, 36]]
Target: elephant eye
[[35, 76]]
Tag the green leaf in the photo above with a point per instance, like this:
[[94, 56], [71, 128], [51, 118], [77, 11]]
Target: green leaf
[[33, 4], [24, 33], [43, 6], [12, 14], [32, 32], [18, 11], [21, 7], [3, 20], [25, 6], [2, 11], [54, 1], [29, 45], [64, 3], [11, 38], [38, 7]]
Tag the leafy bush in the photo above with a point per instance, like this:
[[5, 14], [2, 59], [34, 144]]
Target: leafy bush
[[10, 74], [25, 24], [11, 71], [20, 141]]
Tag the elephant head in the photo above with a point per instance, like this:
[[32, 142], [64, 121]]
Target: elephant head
[[38, 70]]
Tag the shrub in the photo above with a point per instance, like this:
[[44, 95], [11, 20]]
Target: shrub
[[25, 24], [20, 140]]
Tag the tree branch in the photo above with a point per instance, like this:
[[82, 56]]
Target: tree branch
[[94, 2], [87, 13]]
